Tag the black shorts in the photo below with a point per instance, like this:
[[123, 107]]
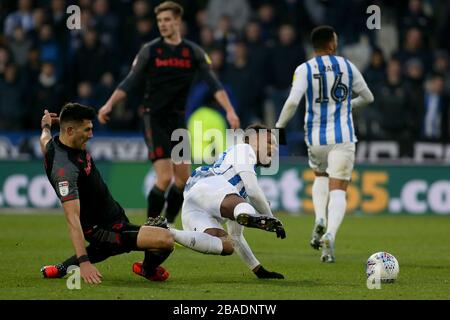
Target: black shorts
[[158, 132], [116, 238]]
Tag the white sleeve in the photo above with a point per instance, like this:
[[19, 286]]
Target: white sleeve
[[243, 158], [255, 193], [359, 84], [299, 86], [365, 97], [241, 246]]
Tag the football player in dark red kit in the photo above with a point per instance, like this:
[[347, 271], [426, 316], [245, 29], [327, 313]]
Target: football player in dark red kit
[[167, 66]]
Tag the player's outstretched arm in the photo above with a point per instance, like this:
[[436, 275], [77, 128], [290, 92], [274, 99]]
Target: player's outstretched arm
[[297, 92], [117, 96], [223, 99], [89, 272], [46, 123], [359, 86], [133, 77]]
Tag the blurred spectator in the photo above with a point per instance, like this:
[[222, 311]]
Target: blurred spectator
[[140, 11], [143, 33], [239, 76], [85, 94], [48, 94], [415, 16], [32, 69], [338, 11], [444, 31], [48, 47], [21, 18], [105, 88], [375, 73], [415, 75], [285, 57], [5, 58], [365, 119], [435, 114], [20, 46], [239, 10], [106, 23], [39, 20], [413, 47], [258, 57], [441, 65], [57, 19], [11, 99], [91, 59], [206, 40], [392, 106], [225, 36], [268, 22]]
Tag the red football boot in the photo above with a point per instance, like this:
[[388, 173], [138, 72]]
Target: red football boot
[[54, 271], [160, 273]]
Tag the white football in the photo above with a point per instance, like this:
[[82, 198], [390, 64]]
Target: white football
[[384, 265]]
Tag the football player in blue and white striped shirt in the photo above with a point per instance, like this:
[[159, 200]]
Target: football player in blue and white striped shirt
[[327, 81], [228, 192]]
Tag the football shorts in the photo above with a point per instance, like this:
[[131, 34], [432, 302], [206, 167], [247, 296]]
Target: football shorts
[[336, 160]]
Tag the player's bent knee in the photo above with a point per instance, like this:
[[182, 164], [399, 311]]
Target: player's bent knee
[[228, 247], [155, 238], [167, 241]]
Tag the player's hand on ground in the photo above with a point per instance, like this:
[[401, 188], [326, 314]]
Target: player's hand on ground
[[233, 120], [103, 113], [49, 118], [262, 273], [89, 273]]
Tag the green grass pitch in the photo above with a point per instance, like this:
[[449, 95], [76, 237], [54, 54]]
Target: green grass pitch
[[420, 243]]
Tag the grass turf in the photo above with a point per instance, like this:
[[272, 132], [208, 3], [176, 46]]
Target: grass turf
[[420, 244]]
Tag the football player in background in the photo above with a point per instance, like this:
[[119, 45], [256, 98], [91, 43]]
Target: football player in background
[[228, 192], [167, 66], [328, 82]]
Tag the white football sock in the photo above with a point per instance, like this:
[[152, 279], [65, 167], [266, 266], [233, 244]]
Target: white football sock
[[336, 210], [320, 198], [198, 241], [241, 246], [243, 207]]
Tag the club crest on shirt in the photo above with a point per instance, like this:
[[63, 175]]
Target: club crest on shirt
[[63, 188]]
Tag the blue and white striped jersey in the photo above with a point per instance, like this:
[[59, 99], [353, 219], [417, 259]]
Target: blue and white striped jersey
[[328, 82], [236, 159]]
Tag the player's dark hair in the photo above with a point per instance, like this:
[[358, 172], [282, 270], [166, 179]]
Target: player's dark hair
[[176, 9], [321, 36], [254, 128], [75, 112]]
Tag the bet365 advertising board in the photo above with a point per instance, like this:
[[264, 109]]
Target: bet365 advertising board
[[373, 190]]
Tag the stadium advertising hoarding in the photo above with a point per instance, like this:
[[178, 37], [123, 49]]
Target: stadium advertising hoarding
[[374, 189]]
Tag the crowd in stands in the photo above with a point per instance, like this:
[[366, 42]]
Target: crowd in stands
[[254, 45]]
